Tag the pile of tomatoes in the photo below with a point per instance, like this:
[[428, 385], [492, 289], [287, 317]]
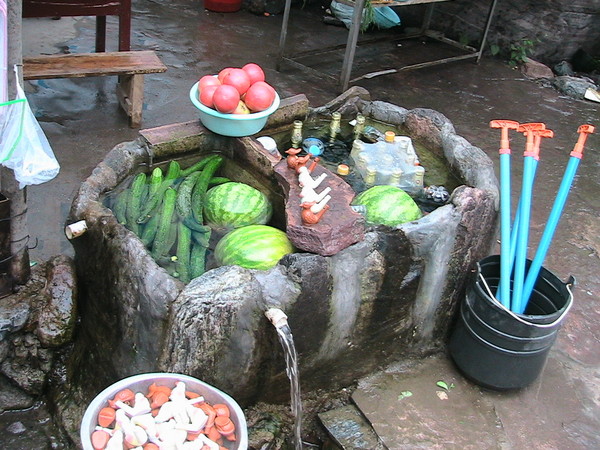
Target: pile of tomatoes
[[237, 90]]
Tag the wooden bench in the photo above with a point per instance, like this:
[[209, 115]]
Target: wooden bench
[[98, 8], [129, 66]]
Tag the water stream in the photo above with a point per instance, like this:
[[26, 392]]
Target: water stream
[[284, 334]]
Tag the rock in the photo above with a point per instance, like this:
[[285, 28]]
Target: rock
[[564, 68], [28, 364], [13, 398], [14, 314], [337, 229], [348, 427], [16, 428], [573, 86], [56, 321], [584, 62], [536, 70]]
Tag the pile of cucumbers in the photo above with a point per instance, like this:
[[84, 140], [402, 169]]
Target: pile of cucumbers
[[165, 210]]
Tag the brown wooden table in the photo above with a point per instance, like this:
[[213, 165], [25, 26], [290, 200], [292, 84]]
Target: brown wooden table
[[98, 8]]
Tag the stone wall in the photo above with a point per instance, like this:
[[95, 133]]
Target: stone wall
[[558, 28]]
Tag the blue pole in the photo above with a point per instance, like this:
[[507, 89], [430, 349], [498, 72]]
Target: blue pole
[[513, 230], [551, 224], [504, 283], [555, 213], [504, 288], [522, 233]]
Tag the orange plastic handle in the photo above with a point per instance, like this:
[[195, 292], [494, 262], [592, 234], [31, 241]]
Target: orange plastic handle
[[529, 129], [504, 125], [537, 140], [584, 131]]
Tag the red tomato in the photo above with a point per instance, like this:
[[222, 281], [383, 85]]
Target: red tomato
[[259, 96], [237, 78], [255, 72], [223, 72], [264, 83], [208, 80], [206, 95], [226, 98]]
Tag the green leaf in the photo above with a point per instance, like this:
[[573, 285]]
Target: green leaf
[[404, 394], [443, 385]]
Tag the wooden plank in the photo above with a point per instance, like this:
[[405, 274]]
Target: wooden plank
[[379, 3], [54, 8], [77, 65]]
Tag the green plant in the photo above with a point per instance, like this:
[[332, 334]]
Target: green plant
[[368, 16], [445, 385], [519, 51]]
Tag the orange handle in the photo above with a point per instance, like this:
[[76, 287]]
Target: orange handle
[[584, 131], [537, 140], [529, 130], [504, 126]]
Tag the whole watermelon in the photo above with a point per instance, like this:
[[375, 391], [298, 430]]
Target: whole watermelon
[[253, 247], [234, 205], [387, 205]]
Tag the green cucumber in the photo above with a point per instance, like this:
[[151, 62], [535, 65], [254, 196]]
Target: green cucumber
[[173, 171], [201, 238], [214, 181], [156, 178], [197, 260], [199, 193], [120, 207], [191, 223], [184, 195], [184, 245], [159, 247], [197, 166], [154, 201], [149, 231], [134, 201], [171, 238]]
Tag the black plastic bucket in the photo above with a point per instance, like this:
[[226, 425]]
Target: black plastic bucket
[[497, 348]]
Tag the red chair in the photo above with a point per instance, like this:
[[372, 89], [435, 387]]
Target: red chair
[[98, 8]]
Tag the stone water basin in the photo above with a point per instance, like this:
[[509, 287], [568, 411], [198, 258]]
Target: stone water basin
[[392, 293]]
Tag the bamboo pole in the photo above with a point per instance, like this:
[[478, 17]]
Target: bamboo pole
[[19, 267]]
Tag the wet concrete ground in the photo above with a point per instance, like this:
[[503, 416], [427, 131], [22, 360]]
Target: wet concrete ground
[[83, 122]]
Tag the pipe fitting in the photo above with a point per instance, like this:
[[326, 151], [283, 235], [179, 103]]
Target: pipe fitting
[[76, 229], [277, 317]]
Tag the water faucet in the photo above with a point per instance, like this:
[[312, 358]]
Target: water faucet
[[277, 317]]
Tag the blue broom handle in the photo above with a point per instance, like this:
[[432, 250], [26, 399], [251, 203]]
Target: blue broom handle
[[505, 265], [546, 239], [522, 234]]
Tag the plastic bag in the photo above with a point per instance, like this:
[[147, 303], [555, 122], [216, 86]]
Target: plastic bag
[[384, 17], [24, 147]]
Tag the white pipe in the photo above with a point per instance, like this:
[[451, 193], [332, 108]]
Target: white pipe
[[277, 317], [76, 229]]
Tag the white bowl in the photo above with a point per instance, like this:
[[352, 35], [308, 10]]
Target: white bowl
[[234, 125], [140, 383]]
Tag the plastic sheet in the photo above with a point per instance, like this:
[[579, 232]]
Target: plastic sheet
[[24, 147]]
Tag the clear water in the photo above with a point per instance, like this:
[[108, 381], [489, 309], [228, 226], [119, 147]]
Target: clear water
[[286, 339], [437, 170]]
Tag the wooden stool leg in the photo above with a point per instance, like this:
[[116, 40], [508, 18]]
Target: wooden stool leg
[[130, 91], [100, 33]]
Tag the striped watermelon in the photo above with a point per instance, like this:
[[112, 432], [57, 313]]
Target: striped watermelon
[[253, 247], [234, 205], [387, 205]]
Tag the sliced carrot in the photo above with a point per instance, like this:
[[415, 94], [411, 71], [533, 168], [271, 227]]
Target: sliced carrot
[[99, 439]]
